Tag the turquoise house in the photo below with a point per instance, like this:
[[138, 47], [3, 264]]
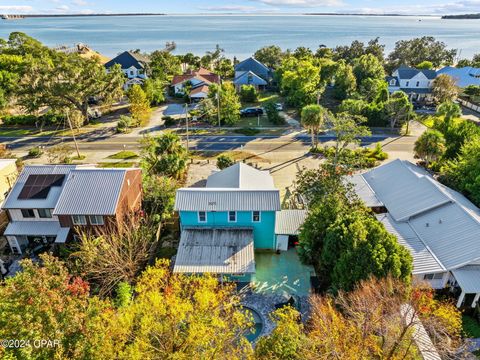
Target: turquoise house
[[222, 224]]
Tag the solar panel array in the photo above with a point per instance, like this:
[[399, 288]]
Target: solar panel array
[[38, 186]]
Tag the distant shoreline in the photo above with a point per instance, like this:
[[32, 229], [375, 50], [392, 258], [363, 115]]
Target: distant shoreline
[[462, 17], [25, 16]]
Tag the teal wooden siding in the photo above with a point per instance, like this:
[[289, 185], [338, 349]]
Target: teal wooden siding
[[263, 231]]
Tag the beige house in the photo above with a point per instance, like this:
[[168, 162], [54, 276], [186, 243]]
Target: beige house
[[8, 175]]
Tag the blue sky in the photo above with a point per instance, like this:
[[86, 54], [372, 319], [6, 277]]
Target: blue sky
[[241, 6]]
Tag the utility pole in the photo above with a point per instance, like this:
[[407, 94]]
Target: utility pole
[[186, 124], [73, 134]]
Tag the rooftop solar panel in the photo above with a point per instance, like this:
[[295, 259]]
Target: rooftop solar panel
[[38, 186]]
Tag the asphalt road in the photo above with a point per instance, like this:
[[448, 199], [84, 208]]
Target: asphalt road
[[196, 142]]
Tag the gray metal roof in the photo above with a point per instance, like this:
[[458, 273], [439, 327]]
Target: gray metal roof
[[32, 228], [364, 191], [217, 251], [452, 235], [241, 176], [446, 222], [255, 66], [468, 277], [423, 259], [405, 72], [288, 222], [91, 192], [249, 78], [404, 193], [216, 199], [12, 201]]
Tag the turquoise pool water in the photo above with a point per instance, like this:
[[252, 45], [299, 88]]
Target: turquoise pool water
[[282, 274]]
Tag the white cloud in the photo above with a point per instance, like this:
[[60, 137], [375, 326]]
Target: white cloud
[[456, 7], [302, 3], [16, 8], [80, 2], [62, 8]]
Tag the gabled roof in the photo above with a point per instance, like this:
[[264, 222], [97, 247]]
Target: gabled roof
[[199, 89], [91, 192], [253, 65], [127, 59], [419, 207], [463, 76], [13, 202], [203, 75], [249, 78], [241, 176], [404, 194], [406, 72], [389, 80], [218, 199]]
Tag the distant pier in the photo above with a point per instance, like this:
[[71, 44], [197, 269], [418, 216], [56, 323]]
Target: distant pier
[[12, 17], [24, 16]]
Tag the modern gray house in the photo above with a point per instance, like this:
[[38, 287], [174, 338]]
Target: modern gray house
[[439, 226], [252, 72]]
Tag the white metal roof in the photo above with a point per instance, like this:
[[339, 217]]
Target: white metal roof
[[216, 199], [215, 250], [404, 193], [12, 201], [364, 191], [241, 176], [288, 222], [32, 228], [468, 277], [91, 192], [423, 259], [6, 162]]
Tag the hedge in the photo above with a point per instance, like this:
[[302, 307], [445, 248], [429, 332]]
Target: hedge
[[32, 120]]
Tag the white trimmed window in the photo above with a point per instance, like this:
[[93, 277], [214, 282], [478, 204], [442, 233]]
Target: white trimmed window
[[202, 217], [256, 216], [79, 220], [96, 219], [28, 213], [407, 84], [437, 276], [232, 216], [44, 213]]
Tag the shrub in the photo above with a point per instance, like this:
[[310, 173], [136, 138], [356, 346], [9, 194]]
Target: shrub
[[124, 124], [248, 93], [224, 161], [35, 152], [272, 114], [169, 121], [247, 131], [32, 120]]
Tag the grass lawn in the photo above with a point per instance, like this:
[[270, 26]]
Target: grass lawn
[[121, 164], [471, 327], [81, 157], [124, 155], [235, 155], [7, 132]]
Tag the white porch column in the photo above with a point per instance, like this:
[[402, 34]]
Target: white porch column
[[475, 300], [460, 299]]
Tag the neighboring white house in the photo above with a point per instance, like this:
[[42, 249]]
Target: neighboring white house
[[197, 80], [134, 66], [416, 83], [439, 226], [463, 76]]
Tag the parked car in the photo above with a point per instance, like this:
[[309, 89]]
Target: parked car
[[251, 112], [94, 114], [279, 107]]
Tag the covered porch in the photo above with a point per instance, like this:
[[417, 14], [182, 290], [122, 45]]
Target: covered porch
[[222, 251], [34, 235], [468, 280]]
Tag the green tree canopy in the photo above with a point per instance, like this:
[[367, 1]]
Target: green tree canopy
[[415, 51], [270, 56], [314, 118], [444, 88], [229, 103], [399, 108], [164, 155], [368, 67], [357, 49], [345, 81], [449, 111], [164, 66], [430, 146], [139, 105]]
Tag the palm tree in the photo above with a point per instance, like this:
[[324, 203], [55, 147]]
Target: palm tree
[[314, 118], [430, 146], [449, 110]]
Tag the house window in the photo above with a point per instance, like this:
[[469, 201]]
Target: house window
[[232, 216], [437, 276], [79, 220], [202, 217], [418, 83], [392, 82], [45, 213], [96, 219], [407, 84], [28, 213], [256, 216]]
